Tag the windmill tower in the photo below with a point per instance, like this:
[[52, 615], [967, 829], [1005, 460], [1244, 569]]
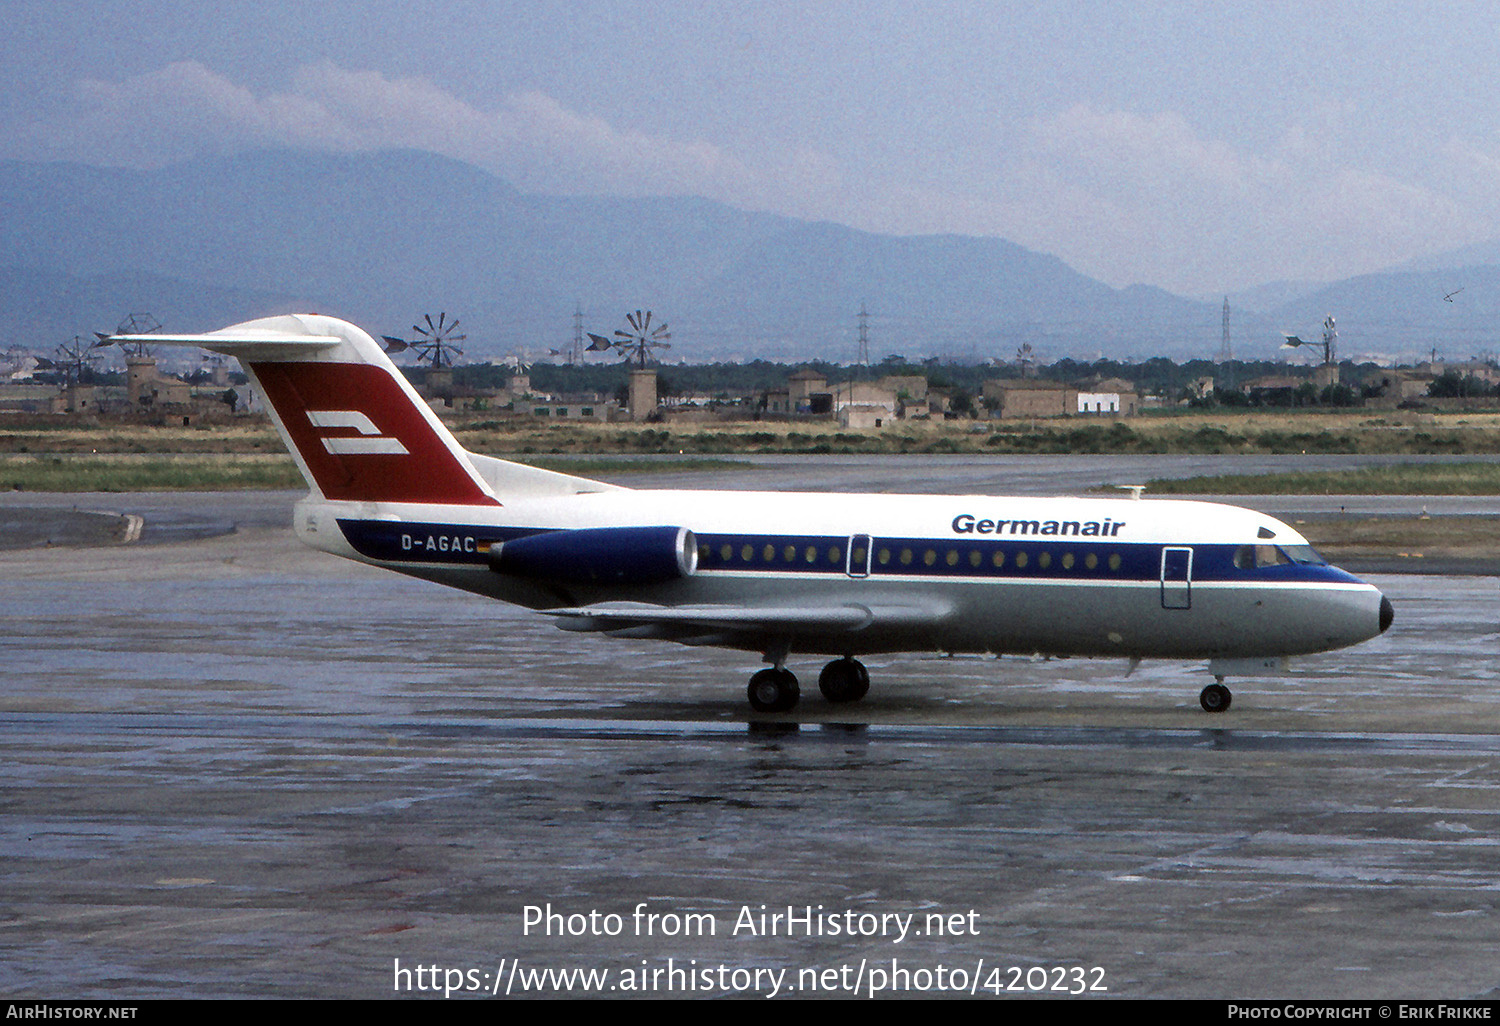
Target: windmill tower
[[637, 344], [520, 381], [77, 357], [437, 344], [140, 364], [1328, 373], [1026, 357], [1330, 370]]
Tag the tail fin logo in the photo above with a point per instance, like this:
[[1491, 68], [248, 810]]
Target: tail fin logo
[[369, 441], [362, 435]]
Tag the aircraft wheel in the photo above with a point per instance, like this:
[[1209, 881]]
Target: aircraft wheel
[[1215, 698], [773, 691], [844, 680]]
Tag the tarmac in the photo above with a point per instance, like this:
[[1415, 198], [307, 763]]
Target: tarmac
[[233, 767]]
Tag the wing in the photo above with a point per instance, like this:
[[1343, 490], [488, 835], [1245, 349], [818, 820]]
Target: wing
[[740, 625]]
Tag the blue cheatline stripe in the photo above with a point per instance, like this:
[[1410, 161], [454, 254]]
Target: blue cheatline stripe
[[1070, 559], [944, 558]]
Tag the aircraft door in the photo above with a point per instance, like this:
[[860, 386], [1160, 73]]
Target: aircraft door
[[858, 562], [1176, 578]]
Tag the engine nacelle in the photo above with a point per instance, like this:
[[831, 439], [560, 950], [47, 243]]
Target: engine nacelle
[[601, 555]]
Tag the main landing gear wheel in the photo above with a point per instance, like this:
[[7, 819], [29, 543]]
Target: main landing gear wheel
[[773, 690], [844, 680], [1215, 698]]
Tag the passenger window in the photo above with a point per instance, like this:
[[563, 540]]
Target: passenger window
[[789, 553], [726, 552], [929, 557], [998, 558], [811, 555], [975, 558], [1114, 561], [1044, 560], [884, 556], [835, 554], [906, 557], [747, 552], [1067, 560], [952, 557], [768, 553], [1091, 561], [1020, 561]]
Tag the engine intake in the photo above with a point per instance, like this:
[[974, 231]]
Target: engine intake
[[601, 555]]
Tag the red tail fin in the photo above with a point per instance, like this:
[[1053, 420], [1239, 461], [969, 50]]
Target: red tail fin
[[361, 436]]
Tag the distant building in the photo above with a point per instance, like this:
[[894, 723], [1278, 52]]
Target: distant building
[[77, 399], [866, 404], [564, 410], [1479, 370], [863, 416], [1101, 404], [852, 403], [807, 392], [1390, 387], [1111, 396], [939, 401], [1272, 387], [147, 388], [1009, 398], [908, 387]]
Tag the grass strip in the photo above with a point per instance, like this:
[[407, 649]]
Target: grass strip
[[153, 473], [1391, 479]]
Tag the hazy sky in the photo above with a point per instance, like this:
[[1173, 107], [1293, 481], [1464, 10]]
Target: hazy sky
[[1203, 148]]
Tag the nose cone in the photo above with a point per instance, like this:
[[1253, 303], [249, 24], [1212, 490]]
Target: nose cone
[[1387, 614]]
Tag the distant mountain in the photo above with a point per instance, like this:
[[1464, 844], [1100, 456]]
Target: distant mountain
[[1262, 299], [382, 239], [1403, 314], [43, 308], [1480, 254]]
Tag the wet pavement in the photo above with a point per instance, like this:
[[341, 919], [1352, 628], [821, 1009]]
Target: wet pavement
[[234, 767]]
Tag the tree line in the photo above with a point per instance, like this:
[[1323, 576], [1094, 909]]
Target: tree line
[[730, 381]]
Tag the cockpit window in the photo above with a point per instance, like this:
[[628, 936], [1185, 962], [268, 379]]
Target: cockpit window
[[1304, 554], [1270, 555], [1248, 556]]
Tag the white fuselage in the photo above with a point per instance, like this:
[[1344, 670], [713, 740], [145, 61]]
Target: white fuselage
[[1075, 576]]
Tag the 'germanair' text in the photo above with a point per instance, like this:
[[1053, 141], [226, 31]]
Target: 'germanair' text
[[964, 523]]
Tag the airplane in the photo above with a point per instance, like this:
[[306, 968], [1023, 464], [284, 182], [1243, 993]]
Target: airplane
[[783, 572]]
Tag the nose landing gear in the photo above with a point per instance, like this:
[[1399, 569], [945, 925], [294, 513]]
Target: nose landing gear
[[1216, 697]]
